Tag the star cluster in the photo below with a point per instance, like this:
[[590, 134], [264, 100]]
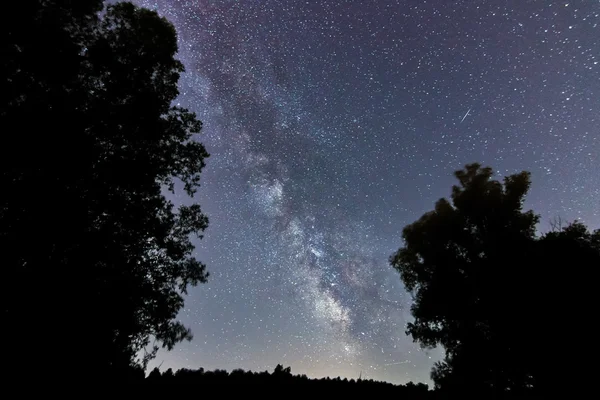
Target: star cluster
[[333, 124]]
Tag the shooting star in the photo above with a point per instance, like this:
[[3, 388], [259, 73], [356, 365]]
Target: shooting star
[[467, 114], [396, 363]]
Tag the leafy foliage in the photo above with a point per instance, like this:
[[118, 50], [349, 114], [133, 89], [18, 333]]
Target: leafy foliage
[[474, 266], [94, 143]]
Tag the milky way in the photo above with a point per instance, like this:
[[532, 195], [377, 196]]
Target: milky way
[[333, 124]]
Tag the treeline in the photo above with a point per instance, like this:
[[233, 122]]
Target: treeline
[[279, 376]]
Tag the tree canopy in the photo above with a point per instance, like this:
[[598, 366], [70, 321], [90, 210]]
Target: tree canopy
[[482, 282], [92, 143]]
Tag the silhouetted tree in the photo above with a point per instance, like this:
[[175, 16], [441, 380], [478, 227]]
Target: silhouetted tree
[[155, 375], [95, 258], [168, 375], [458, 261], [280, 370], [482, 283]]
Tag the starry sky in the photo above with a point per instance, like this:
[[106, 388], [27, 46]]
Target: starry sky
[[333, 124]]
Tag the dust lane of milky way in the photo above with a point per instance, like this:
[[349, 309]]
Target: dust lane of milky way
[[331, 125]]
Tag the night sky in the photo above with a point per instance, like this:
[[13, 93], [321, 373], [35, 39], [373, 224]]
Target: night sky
[[333, 124]]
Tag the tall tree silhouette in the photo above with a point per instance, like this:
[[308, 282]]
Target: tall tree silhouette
[[458, 260], [485, 285], [95, 258]]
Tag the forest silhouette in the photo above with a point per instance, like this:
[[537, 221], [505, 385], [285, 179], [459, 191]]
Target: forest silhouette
[[92, 139], [188, 379]]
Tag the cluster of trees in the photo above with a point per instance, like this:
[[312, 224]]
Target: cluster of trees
[[279, 376], [95, 259], [508, 305]]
